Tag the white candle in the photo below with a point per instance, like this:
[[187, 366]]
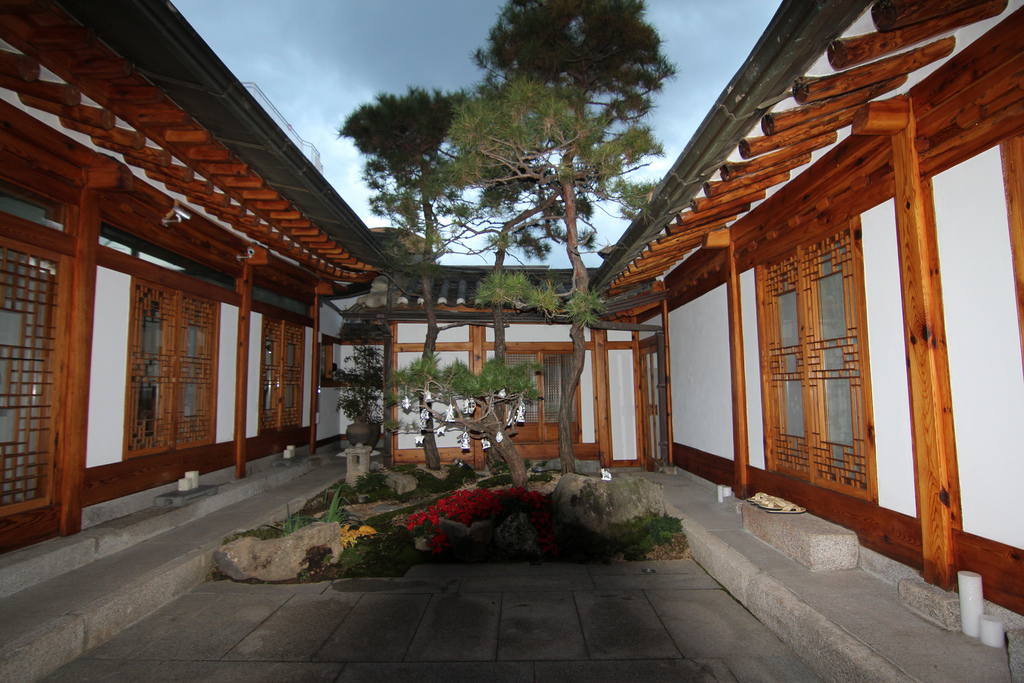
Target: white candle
[[992, 631], [193, 478], [184, 484], [289, 452], [972, 603]]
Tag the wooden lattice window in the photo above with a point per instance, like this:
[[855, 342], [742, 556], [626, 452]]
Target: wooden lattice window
[[172, 370], [541, 415], [281, 373], [28, 298], [815, 375]]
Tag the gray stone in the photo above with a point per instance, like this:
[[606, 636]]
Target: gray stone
[[607, 616], [884, 568], [401, 482], [596, 505], [457, 627], [516, 536], [537, 626], [468, 543], [177, 499], [378, 629], [276, 559], [358, 463], [931, 602], [1015, 650], [42, 650], [811, 541]]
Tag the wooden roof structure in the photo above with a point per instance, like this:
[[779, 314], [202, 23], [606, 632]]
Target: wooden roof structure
[[814, 132], [136, 80]]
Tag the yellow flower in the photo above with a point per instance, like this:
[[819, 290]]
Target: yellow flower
[[349, 535]]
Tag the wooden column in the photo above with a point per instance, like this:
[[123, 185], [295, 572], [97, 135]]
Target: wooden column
[[314, 372], [244, 286], [740, 447], [85, 221], [602, 419], [927, 361], [1013, 179], [666, 373]]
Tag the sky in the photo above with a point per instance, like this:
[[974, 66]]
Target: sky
[[318, 60]]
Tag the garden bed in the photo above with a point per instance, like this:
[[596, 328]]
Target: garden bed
[[389, 548]]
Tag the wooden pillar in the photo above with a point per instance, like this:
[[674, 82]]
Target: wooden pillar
[[244, 286], [666, 376], [740, 446], [1013, 179], [602, 418], [314, 372], [85, 221], [927, 361]]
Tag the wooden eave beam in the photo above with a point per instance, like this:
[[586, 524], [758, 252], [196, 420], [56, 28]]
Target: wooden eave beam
[[718, 239], [822, 87], [756, 146], [770, 163], [889, 15], [719, 188], [856, 50], [744, 193], [808, 114]]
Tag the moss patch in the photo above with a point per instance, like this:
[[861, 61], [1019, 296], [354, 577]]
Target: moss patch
[[631, 541]]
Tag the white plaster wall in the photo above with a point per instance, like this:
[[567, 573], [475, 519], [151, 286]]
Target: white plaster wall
[[329, 423], [623, 404], [701, 386], [894, 454], [252, 403], [226, 373], [330, 320], [451, 438], [588, 428], [341, 356], [984, 345], [414, 333], [307, 372], [109, 369], [752, 370], [620, 336], [536, 333]]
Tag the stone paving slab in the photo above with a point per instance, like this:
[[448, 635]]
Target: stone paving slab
[[459, 627], [448, 672], [379, 629], [657, 671], [296, 631], [540, 626], [623, 625]]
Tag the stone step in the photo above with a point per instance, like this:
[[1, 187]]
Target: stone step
[[813, 542]]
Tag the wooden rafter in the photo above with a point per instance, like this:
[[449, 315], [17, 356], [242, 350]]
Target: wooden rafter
[[44, 32]]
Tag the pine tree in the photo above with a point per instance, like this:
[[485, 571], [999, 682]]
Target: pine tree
[[403, 138], [568, 84]]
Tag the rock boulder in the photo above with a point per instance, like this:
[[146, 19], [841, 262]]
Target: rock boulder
[[516, 537], [468, 543], [596, 505], [276, 559], [401, 482]]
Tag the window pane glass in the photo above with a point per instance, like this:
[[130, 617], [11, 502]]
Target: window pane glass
[[794, 402], [839, 410], [789, 324], [833, 358], [188, 408], [832, 306], [193, 338]]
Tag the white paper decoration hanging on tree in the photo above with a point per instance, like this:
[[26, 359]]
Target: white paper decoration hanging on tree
[[465, 441], [406, 404], [498, 437], [485, 444]]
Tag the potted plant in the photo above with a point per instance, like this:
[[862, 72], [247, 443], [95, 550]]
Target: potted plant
[[361, 395]]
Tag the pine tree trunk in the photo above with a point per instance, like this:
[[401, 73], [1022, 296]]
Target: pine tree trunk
[[508, 452], [580, 283], [431, 456]]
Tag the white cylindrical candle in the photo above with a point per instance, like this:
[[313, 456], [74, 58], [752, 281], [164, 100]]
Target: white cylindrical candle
[[972, 603], [193, 478], [992, 633], [184, 484], [289, 452]]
